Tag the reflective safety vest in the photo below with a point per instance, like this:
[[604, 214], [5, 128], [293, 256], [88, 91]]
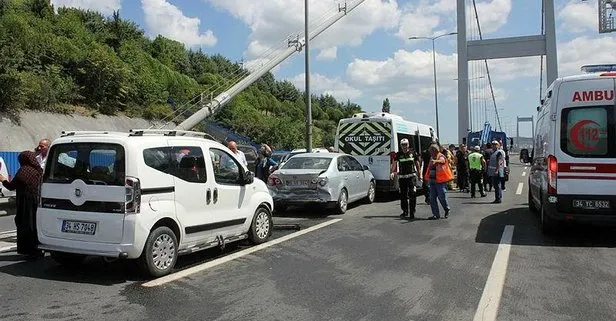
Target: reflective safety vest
[[443, 171], [474, 161]]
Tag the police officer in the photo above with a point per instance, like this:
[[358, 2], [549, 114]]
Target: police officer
[[477, 165], [409, 164]]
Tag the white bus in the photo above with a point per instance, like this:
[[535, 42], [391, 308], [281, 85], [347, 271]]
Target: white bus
[[374, 138]]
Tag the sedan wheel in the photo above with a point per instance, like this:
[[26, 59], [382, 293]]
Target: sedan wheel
[[371, 193], [343, 201]]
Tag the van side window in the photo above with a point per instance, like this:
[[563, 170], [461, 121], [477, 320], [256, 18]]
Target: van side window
[[186, 163], [588, 132], [226, 168]]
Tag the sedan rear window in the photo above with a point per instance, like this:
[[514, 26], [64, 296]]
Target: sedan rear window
[[300, 162], [588, 132], [95, 164]]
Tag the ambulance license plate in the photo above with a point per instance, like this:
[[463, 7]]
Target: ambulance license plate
[[591, 204]]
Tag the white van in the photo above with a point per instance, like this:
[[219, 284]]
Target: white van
[[149, 195], [573, 161], [5, 172]]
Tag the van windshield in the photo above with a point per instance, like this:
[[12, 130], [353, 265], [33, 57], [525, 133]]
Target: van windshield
[[95, 164], [588, 132]]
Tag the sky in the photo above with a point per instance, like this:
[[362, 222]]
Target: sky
[[367, 56]]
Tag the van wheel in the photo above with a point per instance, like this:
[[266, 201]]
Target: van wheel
[[67, 259], [343, 202], [371, 193], [531, 204], [261, 227], [160, 252], [548, 225]]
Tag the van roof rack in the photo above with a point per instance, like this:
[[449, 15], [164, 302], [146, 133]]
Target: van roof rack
[[169, 132], [81, 132]]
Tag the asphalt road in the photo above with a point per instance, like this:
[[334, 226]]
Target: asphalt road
[[370, 265]]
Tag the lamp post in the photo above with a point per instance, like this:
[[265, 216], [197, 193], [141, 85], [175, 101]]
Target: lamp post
[[307, 75], [434, 68]]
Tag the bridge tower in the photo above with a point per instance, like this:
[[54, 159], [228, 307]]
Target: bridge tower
[[498, 48]]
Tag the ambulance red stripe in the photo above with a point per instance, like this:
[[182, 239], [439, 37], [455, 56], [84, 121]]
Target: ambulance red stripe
[[586, 168]]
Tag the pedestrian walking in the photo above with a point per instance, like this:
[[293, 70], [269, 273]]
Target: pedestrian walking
[[26, 183], [496, 170], [439, 175], [407, 164], [462, 171], [425, 160], [487, 178], [477, 165]]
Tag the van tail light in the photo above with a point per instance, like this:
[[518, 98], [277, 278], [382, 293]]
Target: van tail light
[[273, 180], [552, 174], [133, 196]]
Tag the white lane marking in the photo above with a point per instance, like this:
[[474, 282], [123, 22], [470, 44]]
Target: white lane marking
[[202, 267], [519, 190], [523, 174], [493, 290], [525, 167]]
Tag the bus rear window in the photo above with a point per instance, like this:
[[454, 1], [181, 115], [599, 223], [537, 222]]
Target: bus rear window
[[95, 164], [588, 132]]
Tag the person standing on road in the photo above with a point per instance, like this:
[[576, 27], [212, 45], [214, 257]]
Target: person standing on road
[[41, 152], [407, 170], [477, 167], [487, 179], [238, 153], [26, 183], [439, 175], [496, 170], [425, 160], [462, 168]]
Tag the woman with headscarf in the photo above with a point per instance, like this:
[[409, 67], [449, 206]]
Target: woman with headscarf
[[26, 183]]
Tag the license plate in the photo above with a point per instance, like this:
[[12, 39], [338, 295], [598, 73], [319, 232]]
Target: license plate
[[591, 204], [299, 183], [77, 227]]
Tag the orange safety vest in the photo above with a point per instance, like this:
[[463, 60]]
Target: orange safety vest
[[443, 171]]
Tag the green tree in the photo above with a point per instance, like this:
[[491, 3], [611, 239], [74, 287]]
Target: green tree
[[386, 106]]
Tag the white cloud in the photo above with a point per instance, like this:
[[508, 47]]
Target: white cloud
[[492, 15], [105, 7], [579, 16], [328, 54], [405, 77], [272, 21], [161, 17], [329, 86], [585, 51]]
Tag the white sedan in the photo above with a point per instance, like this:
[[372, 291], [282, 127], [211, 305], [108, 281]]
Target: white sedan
[[321, 178]]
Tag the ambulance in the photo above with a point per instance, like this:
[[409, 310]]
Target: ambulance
[[373, 138], [573, 160]]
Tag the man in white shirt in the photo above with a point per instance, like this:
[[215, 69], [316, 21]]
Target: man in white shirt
[[238, 153], [41, 152]]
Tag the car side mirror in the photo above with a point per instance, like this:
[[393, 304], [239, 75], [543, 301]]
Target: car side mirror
[[525, 156], [248, 177], [366, 168]]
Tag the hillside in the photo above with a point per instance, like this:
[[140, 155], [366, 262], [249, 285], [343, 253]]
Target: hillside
[[75, 59]]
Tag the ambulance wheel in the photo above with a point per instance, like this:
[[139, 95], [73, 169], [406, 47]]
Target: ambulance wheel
[[548, 225], [531, 204]]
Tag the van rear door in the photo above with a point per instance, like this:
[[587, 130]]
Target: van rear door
[[83, 195], [585, 144]]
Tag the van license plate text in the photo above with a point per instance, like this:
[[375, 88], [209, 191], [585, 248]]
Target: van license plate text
[[591, 204], [78, 227]]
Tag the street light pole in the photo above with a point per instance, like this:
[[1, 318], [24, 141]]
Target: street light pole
[[438, 133], [307, 75], [433, 39]]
